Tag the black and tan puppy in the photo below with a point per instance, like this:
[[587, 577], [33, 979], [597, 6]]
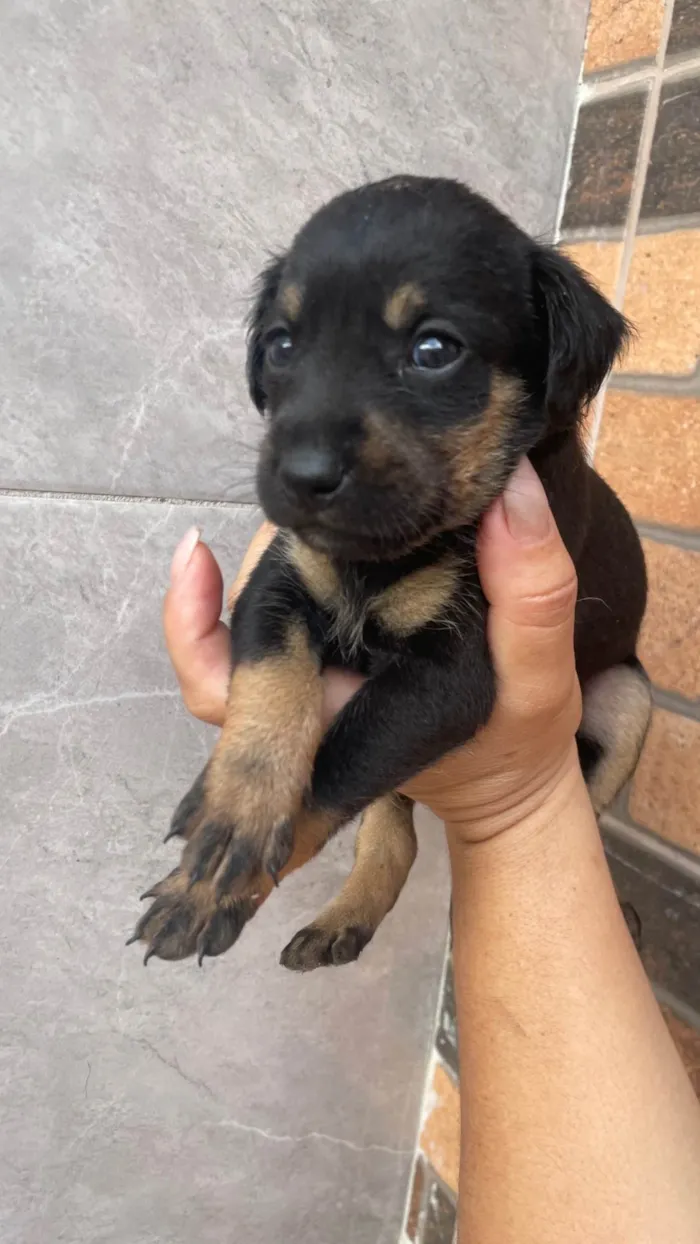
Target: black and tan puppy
[[407, 350]]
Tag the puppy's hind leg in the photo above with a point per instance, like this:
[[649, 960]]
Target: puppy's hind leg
[[616, 715], [385, 849]]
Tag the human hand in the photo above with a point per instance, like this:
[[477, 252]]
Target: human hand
[[199, 643], [526, 755]]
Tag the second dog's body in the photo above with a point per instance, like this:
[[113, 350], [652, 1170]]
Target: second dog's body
[[404, 374]]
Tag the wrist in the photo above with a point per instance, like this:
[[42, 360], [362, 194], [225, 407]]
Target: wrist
[[540, 814]]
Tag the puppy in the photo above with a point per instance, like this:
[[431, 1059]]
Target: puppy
[[411, 345]]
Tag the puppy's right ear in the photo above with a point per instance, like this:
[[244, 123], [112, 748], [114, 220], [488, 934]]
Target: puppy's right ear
[[583, 333], [267, 286]]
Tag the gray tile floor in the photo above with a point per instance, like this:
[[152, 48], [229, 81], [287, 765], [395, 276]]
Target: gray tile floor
[[151, 156]]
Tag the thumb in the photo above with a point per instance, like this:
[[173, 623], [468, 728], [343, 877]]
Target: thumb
[[529, 580], [198, 642]]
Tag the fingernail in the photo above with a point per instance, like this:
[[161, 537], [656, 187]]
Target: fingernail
[[526, 507], [183, 553]]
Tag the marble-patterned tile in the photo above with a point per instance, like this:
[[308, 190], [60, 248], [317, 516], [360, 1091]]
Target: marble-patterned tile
[[603, 161], [672, 185], [664, 903], [172, 1104], [154, 154], [684, 37]]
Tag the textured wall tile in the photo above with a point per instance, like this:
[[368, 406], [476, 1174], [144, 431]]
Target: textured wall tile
[[603, 161], [663, 301], [164, 1104], [667, 903], [666, 789], [687, 1041], [153, 155], [670, 639], [672, 186], [685, 27], [439, 1139], [620, 31], [649, 450], [601, 260]]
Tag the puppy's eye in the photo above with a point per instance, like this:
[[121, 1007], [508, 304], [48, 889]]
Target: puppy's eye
[[279, 348], [435, 352]]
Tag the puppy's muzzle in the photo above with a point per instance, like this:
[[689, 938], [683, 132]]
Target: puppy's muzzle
[[311, 475]]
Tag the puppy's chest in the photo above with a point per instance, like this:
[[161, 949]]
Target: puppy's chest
[[365, 624]]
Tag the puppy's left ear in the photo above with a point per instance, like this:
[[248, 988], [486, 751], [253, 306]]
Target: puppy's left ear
[[267, 286], [583, 333]]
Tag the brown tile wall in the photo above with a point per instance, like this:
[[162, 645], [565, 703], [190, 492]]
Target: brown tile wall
[[631, 218], [638, 452], [621, 31], [666, 787]]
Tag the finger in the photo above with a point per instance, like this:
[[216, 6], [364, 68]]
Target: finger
[[530, 582], [198, 642], [262, 538], [339, 686]]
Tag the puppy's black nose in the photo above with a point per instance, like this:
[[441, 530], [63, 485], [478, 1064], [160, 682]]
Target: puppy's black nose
[[312, 474]]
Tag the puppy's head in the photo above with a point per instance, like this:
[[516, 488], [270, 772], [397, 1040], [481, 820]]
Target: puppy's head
[[409, 347]]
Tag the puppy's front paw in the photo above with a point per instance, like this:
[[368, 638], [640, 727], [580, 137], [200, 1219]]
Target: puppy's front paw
[[187, 919], [316, 947], [230, 856], [232, 839]]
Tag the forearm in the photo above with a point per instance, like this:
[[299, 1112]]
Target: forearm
[[578, 1120]]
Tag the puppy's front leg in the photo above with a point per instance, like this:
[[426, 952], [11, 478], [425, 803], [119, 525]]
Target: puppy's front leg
[[238, 818], [401, 722]]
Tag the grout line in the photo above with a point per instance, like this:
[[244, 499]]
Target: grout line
[[45, 494], [681, 66], [680, 1009], [674, 702], [592, 233], [616, 233], [646, 139], [656, 382], [623, 84], [623, 79], [680, 539], [645, 840], [668, 224], [567, 164]]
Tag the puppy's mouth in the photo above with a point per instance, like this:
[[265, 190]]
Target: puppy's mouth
[[372, 526], [353, 544]]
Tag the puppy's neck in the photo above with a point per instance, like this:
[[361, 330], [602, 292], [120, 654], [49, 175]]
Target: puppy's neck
[[325, 575]]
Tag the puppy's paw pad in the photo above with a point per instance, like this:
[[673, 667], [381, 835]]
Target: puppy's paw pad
[[315, 947]]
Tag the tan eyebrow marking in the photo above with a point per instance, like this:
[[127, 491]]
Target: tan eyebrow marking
[[290, 300], [400, 306]]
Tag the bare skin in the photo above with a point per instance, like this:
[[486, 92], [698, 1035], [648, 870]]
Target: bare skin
[[578, 1120]]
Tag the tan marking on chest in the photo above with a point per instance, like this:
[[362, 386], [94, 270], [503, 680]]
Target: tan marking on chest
[[418, 598], [401, 306], [317, 573]]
